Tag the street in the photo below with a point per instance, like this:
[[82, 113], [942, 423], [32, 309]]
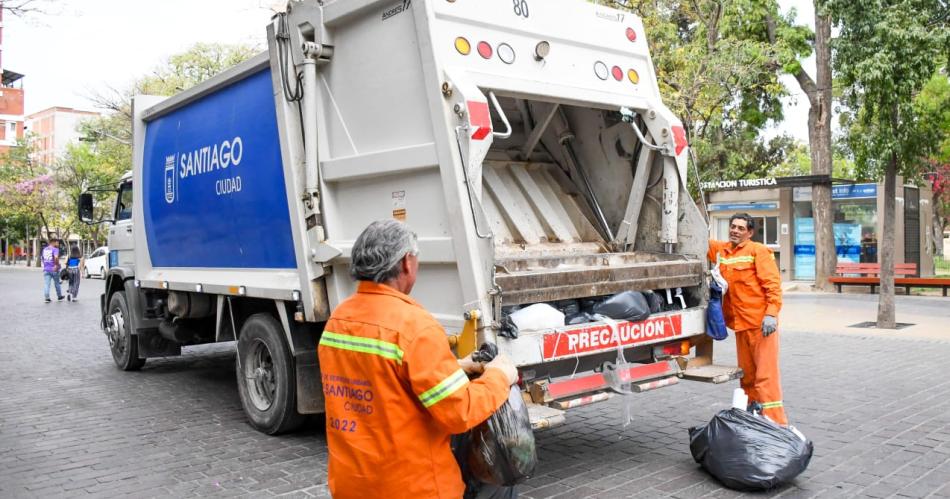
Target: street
[[877, 407]]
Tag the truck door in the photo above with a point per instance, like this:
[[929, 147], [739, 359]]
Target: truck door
[[121, 242]]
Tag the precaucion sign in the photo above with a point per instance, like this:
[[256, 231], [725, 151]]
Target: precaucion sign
[[603, 337]]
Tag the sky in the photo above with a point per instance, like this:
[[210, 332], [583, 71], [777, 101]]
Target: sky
[[84, 47]]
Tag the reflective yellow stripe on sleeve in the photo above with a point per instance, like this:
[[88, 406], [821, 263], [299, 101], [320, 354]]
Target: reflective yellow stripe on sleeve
[[737, 259], [772, 405], [381, 348], [447, 387]]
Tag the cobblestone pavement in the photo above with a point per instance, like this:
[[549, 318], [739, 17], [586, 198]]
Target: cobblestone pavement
[[878, 410]]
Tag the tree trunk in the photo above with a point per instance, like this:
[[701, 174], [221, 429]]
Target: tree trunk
[[819, 143], [885, 308], [819, 138]]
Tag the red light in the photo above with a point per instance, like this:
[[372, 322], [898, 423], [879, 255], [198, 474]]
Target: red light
[[631, 35], [617, 72], [484, 50]]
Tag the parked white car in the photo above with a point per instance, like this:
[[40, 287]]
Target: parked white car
[[97, 263]]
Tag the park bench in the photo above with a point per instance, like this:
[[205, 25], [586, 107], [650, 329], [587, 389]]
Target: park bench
[[869, 274]]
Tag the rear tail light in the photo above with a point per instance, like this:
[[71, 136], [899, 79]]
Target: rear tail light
[[617, 72], [678, 348], [462, 45], [484, 50], [506, 53], [633, 76], [631, 35]]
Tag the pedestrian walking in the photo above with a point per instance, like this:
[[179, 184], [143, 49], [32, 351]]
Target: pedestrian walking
[[394, 391], [74, 267], [51, 266], [751, 308]]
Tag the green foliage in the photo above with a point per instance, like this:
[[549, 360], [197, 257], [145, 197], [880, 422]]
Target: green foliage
[[885, 54], [719, 72], [27, 194]]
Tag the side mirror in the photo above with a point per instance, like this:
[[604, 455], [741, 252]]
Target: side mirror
[[85, 207]]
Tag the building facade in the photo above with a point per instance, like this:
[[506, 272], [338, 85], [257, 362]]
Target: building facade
[[785, 222], [11, 110], [52, 129]]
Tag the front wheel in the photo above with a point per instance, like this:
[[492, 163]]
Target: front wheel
[[125, 348], [85, 273], [102, 272], [265, 376]]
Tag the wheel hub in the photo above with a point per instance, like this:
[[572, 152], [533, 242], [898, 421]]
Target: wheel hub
[[115, 324], [259, 373]]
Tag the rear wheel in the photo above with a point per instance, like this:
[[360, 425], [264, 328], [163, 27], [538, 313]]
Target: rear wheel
[[265, 375], [85, 273], [125, 349]]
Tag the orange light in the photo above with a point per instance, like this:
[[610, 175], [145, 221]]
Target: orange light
[[633, 76], [685, 346], [462, 45]]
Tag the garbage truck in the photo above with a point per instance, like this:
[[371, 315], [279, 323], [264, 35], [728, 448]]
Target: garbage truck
[[525, 142]]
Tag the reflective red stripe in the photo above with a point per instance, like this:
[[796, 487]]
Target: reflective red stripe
[[479, 119], [679, 139]]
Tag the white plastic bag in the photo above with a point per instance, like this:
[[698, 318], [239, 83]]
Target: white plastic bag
[[537, 317]]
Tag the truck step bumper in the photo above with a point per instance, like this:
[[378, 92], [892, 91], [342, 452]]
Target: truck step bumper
[[712, 373]]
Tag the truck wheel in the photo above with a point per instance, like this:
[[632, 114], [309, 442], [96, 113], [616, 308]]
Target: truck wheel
[[265, 376], [125, 348]]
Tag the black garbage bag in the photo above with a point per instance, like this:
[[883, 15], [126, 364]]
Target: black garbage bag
[[749, 452], [625, 306], [502, 450], [655, 301], [474, 488]]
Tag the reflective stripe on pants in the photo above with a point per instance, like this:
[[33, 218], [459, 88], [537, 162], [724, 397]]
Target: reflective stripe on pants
[[758, 358]]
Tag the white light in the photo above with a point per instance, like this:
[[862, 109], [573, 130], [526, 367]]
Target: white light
[[295, 295], [164, 284], [506, 53], [600, 69], [138, 283], [242, 291], [198, 287], [541, 50]]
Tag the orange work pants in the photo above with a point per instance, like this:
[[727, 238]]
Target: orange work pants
[[758, 358]]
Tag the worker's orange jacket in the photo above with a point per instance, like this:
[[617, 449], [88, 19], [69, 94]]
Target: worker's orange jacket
[[755, 286], [394, 395]]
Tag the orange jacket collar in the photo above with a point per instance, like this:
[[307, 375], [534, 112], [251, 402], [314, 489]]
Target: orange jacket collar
[[376, 288]]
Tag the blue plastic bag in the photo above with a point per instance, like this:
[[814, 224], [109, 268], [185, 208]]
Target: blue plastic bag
[[715, 321]]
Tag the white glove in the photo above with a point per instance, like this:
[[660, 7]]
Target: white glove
[[503, 363], [769, 325]]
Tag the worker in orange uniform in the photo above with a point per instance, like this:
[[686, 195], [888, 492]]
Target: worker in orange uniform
[[751, 306], [394, 392]]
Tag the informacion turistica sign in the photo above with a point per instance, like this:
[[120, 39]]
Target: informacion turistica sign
[[743, 183]]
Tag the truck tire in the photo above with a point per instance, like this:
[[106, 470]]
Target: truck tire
[[265, 376], [124, 346]]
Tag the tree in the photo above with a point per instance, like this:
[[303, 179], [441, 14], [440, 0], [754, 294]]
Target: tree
[[179, 72], [783, 33], [932, 105], [719, 79], [22, 8], [885, 53], [26, 193]]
